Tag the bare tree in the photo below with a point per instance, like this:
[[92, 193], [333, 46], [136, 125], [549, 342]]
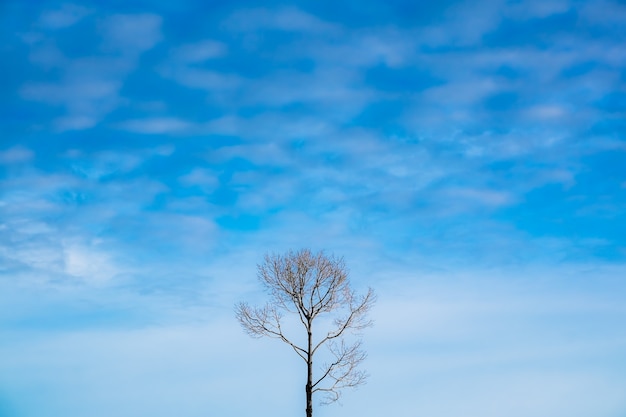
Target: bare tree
[[313, 286]]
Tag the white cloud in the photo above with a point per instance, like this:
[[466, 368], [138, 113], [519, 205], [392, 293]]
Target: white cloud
[[66, 16], [199, 52], [538, 8], [481, 197], [47, 54], [89, 263], [603, 13], [264, 125], [132, 34], [465, 23], [102, 164], [336, 91], [285, 19], [16, 155], [56, 94], [89, 86], [547, 112], [182, 68], [86, 98], [86, 101], [205, 179], [157, 125], [212, 81], [40, 256]]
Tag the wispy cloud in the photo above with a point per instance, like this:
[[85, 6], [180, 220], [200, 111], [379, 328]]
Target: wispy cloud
[[66, 16], [156, 126], [88, 87], [131, 34], [16, 155], [199, 52], [289, 19]]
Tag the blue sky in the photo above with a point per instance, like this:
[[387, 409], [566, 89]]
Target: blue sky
[[468, 160]]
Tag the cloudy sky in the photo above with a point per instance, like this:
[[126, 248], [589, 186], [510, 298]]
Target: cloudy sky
[[468, 159]]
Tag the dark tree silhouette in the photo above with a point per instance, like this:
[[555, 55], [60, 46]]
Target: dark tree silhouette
[[312, 286]]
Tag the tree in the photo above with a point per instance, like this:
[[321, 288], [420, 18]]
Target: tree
[[313, 287]]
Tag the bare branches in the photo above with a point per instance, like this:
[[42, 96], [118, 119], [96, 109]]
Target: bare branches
[[356, 319], [259, 322], [343, 372], [306, 283], [311, 285]]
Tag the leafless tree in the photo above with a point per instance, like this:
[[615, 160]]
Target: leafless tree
[[313, 286]]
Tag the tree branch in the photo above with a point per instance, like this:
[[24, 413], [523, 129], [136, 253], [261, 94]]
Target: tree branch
[[342, 371], [354, 321], [258, 322]]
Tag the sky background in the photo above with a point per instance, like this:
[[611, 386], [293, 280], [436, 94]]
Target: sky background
[[468, 159]]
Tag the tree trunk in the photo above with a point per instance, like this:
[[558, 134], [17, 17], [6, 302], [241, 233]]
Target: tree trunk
[[309, 380]]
